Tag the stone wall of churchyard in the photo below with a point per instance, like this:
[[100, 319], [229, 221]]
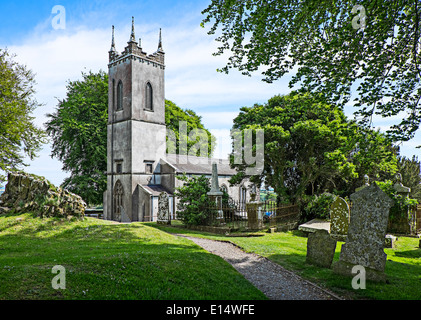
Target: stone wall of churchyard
[[29, 193]]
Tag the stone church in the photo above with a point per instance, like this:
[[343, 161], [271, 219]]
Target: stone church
[[138, 167]]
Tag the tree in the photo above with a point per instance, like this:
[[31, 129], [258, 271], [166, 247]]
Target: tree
[[311, 147], [79, 135], [203, 140], [411, 175], [19, 136], [334, 46], [194, 206]]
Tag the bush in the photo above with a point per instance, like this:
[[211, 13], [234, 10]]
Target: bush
[[401, 204], [194, 206], [316, 207]]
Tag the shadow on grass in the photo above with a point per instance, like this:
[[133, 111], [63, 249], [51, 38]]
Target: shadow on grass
[[112, 261], [416, 253]]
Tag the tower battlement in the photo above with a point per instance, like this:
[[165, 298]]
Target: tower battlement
[[134, 51]]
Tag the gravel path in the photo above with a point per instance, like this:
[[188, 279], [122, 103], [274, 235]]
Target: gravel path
[[273, 280]]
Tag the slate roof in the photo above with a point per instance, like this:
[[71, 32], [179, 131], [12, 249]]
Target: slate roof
[[155, 190], [198, 165]]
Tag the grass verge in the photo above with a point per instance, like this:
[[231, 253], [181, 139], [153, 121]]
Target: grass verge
[[104, 260], [289, 249]]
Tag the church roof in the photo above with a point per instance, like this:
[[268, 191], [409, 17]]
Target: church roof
[[198, 165], [155, 190]]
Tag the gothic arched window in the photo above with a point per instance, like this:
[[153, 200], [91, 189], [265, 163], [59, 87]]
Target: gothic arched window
[[243, 196], [120, 95], [149, 97], [118, 200]]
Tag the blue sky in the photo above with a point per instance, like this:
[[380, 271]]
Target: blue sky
[[58, 55]]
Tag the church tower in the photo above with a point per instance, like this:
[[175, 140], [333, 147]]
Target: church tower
[[136, 126]]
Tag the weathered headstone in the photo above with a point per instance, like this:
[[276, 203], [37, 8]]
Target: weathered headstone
[[163, 209], [320, 248], [366, 234], [339, 219], [254, 220], [390, 241]]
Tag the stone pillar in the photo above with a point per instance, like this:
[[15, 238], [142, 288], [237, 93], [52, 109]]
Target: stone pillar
[[215, 193]]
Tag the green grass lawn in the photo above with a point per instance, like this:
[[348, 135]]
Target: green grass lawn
[[289, 249], [104, 260]]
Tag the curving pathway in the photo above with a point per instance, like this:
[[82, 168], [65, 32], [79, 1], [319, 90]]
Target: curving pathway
[[273, 280]]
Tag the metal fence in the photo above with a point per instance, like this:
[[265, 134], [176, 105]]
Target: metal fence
[[254, 216]]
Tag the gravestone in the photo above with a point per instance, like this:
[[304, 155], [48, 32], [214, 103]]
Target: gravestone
[[390, 241], [339, 219], [163, 209], [366, 234], [320, 248], [254, 220]]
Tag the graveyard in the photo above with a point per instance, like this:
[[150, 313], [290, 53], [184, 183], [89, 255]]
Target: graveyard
[[289, 249], [144, 256], [41, 226]]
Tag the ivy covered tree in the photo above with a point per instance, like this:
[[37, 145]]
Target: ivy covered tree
[[19, 136], [311, 147], [411, 175], [369, 47]]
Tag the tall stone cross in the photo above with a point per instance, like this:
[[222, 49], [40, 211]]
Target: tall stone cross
[[366, 234], [215, 193]]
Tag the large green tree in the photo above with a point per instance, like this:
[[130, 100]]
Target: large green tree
[[369, 47], [310, 147], [78, 129], [19, 136], [198, 138]]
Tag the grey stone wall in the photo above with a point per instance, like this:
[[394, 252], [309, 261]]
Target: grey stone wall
[[29, 193]]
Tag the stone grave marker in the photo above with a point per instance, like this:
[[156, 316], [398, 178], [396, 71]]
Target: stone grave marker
[[366, 234], [320, 248], [339, 219], [163, 209]]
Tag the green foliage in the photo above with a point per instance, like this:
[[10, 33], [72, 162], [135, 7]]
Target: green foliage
[[203, 141], [317, 207], [19, 137], [194, 206], [380, 64], [310, 147], [78, 130], [411, 175], [401, 204]]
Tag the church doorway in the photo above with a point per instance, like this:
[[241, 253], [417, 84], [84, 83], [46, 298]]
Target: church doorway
[[118, 200]]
